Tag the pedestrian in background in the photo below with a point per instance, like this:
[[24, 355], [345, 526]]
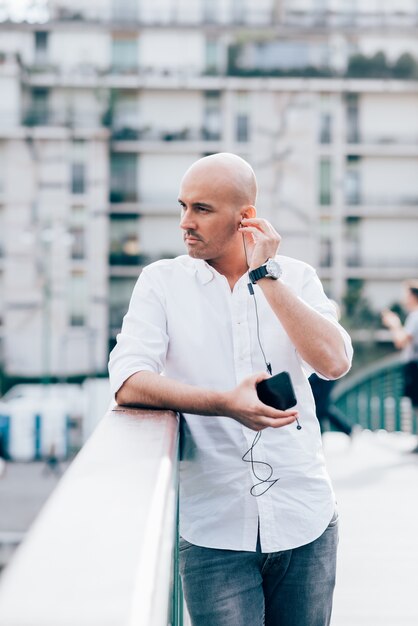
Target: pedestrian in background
[[326, 410], [405, 338]]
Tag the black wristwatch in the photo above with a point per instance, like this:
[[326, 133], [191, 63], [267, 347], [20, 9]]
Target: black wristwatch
[[269, 269]]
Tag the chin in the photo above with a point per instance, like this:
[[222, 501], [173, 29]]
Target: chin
[[197, 252]]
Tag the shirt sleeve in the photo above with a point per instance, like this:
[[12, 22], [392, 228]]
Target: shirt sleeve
[[143, 340], [313, 294], [411, 325]]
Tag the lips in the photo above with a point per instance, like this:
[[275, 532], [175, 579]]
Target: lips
[[191, 238]]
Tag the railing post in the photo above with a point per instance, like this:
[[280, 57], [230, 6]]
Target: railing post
[[177, 600]]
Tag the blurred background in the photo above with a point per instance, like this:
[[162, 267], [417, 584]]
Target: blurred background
[[105, 103]]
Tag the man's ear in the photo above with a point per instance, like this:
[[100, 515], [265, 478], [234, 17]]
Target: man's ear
[[248, 211]]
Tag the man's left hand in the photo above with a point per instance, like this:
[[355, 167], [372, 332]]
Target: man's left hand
[[262, 241]]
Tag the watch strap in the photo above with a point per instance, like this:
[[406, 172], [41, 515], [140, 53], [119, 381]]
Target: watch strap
[[258, 273]]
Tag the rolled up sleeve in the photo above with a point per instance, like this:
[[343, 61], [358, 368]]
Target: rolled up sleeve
[[313, 294], [143, 341]]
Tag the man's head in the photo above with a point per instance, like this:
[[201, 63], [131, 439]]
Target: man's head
[[411, 294], [216, 192]]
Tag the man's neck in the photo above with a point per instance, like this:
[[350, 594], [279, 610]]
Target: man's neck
[[232, 268]]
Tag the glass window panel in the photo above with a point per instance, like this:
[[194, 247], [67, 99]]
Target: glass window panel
[[210, 10], [125, 10], [77, 299], [120, 292], [325, 192], [41, 46], [325, 128], [212, 117], [38, 112], [242, 120], [124, 52], [78, 178], [123, 178], [124, 242]]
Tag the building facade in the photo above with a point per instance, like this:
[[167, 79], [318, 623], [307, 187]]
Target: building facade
[[104, 106]]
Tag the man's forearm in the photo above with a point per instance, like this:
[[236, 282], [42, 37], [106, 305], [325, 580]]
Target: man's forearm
[[242, 403], [152, 390], [316, 339]]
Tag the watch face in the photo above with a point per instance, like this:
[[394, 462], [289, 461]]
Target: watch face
[[273, 268]]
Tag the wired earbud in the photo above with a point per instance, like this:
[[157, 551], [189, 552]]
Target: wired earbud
[[252, 293], [269, 480]]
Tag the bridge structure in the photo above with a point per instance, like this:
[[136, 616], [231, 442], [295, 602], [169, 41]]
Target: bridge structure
[[104, 549]]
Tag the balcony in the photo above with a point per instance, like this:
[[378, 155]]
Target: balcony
[[382, 145], [43, 116], [151, 135], [119, 196], [383, 139], [103, 550], [189, 14], [361, 199]]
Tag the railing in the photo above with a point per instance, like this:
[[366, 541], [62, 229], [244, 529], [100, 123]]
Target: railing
[[383, 139], [360, 199], [101, 551], [128, 133], [189, 13], [373, 398]]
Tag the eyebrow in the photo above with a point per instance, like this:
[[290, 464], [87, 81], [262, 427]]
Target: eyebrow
[[204, 204]]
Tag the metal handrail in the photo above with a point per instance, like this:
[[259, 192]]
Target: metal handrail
[[101, 550], [374, 398]]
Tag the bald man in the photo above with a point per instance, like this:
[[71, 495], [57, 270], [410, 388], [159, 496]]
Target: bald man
[[258, 523]]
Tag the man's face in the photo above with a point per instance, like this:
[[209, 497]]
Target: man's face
[[209, 216], [409, 300]]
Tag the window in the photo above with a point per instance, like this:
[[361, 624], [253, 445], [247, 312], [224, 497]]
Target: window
[[212, 56], [123, 178], [77, 230], [2, 230], [212, 119], [38, 113], [124, 52], [126, 115], [77, 299], [325, 191], [78, 167], [325, 243], [78, 178], [41, 46], [325, 128], [120, 291], [352, 112], [353, 181], [210, 10], [238, 11], [242, 120], [352, 242], [124, 241], [125, 10], [2, 297]]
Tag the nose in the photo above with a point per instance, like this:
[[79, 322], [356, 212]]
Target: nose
[[186, 220]]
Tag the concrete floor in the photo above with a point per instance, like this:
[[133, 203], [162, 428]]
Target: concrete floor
[[376, 482]]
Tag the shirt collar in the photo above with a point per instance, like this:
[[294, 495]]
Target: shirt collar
[[203, 270]]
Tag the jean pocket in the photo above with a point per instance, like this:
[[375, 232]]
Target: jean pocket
[[183, 544], [334, 520]]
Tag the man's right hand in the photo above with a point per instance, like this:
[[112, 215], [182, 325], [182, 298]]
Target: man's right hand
[[244, 406]]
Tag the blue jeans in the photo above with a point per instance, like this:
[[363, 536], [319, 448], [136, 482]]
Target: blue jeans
[[288, 588]]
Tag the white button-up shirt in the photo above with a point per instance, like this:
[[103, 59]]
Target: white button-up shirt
[[184, 321]]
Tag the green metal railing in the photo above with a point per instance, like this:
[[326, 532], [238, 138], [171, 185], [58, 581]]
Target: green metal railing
[[374, 398]]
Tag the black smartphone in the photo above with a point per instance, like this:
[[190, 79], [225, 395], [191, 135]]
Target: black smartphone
[[277, 391]]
